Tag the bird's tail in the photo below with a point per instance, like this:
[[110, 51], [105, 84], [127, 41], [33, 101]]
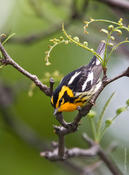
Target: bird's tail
[[100, 51]]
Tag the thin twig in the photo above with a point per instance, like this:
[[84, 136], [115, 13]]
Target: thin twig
[[7, 60], [109, 162], [123, 74], [51, 86]]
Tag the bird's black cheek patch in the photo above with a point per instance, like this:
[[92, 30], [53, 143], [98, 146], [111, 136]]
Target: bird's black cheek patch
[[66, 97]]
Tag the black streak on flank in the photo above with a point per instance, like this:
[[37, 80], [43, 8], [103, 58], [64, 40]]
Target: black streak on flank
[[67, 98]]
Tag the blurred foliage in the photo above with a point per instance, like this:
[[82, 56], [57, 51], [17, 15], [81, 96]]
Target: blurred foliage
[[26, 17]]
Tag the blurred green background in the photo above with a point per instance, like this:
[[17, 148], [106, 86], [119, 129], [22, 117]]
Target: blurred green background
[[29, 17]]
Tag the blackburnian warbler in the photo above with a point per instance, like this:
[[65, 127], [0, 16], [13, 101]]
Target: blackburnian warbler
[[77, 87]]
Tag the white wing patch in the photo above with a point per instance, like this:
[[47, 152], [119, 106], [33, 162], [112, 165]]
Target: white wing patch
[[73, 77], [89, 78], [97, 62]]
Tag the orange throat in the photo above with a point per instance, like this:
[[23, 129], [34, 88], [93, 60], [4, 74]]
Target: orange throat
[[69, 107]]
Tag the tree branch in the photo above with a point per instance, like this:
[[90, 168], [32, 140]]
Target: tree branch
[[124, 5], [7, 60], [69, 153], [103, 156], [125, 73]]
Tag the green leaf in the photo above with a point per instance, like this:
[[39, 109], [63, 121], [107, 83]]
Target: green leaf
[[76, 38], [120, 110], [10, 36], [104, 31], [103, 111], [108, 123], [99, 133], [110, 27], [91, 114]]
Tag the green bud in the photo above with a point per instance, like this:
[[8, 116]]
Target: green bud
[[112, 38], [110, 27], [66, 42], [108, 123], [120, 21], [103, 41], [76, 38], [104, 31], [85, 43], [119, 31], [61, 37], [110, 44], [91, 114], [92, 50], [120, 110], [127, 102], [56, 40]]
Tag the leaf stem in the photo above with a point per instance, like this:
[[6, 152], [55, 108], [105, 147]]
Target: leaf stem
[[108, 21], [81, 45], [99, 123], [92, 123]]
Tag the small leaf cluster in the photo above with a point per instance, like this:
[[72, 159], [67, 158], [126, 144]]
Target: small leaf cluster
[[54, 42], [98, 128], [68, 40], [113, 27]]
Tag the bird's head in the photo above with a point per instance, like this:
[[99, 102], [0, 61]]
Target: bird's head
[[63, 100]]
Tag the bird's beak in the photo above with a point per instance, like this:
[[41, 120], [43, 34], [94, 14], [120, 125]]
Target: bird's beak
[[55, 111]]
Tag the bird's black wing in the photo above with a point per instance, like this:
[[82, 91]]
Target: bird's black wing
[[84, 78]]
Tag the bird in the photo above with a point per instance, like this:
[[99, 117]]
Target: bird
[[78, 86]]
